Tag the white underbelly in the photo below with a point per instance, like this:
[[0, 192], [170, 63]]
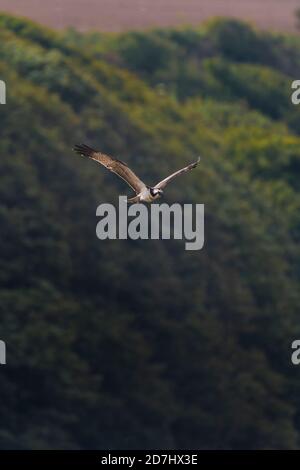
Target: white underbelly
[[146, 197]]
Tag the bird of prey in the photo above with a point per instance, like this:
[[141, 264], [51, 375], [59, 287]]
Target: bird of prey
[[143, 192]]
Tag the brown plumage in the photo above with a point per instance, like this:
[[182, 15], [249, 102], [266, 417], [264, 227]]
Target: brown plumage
[[113, 164]]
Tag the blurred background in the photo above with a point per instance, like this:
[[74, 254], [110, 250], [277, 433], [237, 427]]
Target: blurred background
[[120, 15], [141, 344]]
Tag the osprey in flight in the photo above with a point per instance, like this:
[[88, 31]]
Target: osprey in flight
[[143, 192]]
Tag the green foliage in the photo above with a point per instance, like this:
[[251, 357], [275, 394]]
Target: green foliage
[[227, 58], [127, 344]]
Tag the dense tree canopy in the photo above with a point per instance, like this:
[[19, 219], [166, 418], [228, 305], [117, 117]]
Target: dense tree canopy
[[122, 344]]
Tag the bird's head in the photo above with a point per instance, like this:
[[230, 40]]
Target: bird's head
[[156, 192]]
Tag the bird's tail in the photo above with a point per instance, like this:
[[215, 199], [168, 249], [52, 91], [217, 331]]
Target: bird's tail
[[84, 150], [133, 200]]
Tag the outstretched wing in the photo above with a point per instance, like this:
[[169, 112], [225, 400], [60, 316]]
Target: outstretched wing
[[114, 165], [162, 184]]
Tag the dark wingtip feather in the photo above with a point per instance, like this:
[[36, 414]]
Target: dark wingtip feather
[[196, 163], [84, 150]]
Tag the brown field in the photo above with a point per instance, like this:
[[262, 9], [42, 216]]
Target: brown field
[[120, 15]]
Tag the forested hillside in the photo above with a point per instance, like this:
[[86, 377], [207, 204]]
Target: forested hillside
[[141, 344]]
